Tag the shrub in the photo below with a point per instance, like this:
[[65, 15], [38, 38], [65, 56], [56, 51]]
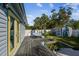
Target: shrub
[[47, 34]]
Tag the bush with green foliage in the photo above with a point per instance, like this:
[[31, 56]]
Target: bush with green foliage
[[48, 34]]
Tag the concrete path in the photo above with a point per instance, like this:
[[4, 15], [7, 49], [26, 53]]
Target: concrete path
[[68, 52]]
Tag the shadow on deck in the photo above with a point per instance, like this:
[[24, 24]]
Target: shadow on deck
[[22, 51], [32, 47]]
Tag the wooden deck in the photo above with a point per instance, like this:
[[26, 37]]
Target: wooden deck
[[24, 48], [32, 47]]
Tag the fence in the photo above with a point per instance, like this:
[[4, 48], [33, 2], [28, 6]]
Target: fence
[[62, 32], [28, 32], [75, 33], [71, 32]]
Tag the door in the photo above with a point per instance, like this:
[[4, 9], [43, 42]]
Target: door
[[11, 32]]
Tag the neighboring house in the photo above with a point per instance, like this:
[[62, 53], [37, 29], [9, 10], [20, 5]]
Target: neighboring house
[[56, 31], [12, 27], [67, 31], [62, 31], [75, 33]]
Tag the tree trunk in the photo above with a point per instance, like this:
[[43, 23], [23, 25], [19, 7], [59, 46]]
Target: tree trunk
[[44, 29]]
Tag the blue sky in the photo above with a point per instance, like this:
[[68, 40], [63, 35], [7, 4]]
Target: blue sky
[[34, 10]]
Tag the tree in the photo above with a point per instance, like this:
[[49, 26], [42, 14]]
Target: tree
[[41, 22], [75, 24], [54, 18], [37, 23], [28, 27], [44, 20], [64, 15], [61, 17], [49, 24], [57, 19]]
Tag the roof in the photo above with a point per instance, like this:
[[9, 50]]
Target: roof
[[19, 11]]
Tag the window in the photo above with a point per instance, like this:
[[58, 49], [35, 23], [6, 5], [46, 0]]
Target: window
[[17, 32], [11, 33]]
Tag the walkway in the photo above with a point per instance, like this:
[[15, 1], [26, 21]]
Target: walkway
[[68, 52], [32, 47], [24, 48]]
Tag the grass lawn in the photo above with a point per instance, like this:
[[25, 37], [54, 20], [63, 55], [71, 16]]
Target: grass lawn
[[70, 41], [50, 46]]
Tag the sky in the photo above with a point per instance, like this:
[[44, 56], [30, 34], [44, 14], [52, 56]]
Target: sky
[[34, 10]]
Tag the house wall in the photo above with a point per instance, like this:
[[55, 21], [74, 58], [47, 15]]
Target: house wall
[[27, 32], [75, 33], [5, 43], [18, 37], [22, 32], [17, 41], [3, 33]]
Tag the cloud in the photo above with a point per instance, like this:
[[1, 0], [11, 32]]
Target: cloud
[[51, 5], [75, 12], [43, 10], [75, 15], [39, 5], [30, 16], [73, 5], [30, 19]]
